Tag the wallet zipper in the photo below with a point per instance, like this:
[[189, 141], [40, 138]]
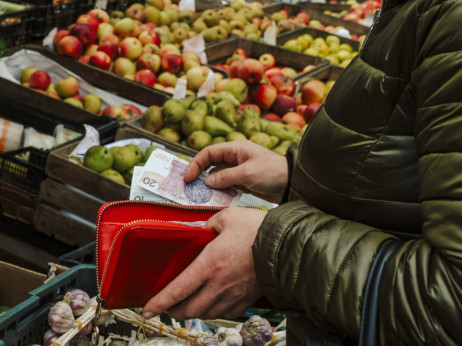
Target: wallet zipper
[[177, 206]]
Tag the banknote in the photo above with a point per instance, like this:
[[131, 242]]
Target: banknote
[[137, 193], [163, 175]]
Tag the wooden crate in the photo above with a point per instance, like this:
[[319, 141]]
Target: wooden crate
[[218, 54], [71, 194], [18, 204], [330, 72]]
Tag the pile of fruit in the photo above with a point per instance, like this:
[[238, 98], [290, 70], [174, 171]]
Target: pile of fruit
[[67, 90], [358, 12]]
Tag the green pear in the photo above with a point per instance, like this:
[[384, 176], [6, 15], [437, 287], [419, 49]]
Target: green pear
[[262, 139], [226, 111], [124, 159], [138, 152], [199, 106], [282, 148], [173, 110], [98, 158], [169, 134], [216, 127], [149, 151], [235, 136], [198, 140], [192, 121], [281, 131], [152, 119], [249, 123], [128, 175], [187, 100], [113, 175], [218, 139]]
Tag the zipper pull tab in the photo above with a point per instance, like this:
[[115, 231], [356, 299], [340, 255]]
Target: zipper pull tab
[[95, 333], [374, 21]]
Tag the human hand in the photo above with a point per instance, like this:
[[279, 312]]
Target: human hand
[[221, 281], [245, 165]]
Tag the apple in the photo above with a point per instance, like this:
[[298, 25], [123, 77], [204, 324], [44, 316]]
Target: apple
[[39, 80], [168, 49], [67, 87], [313, 91], [77, 96], [113, 38], [100, 59], [303, 18], [267, 60], [137, 28], [283, 104], [26, 73], [284, 85], [85, 33], [234, 67], [221, 85], [103, 30], [148, 26], [74, 102], [89, 19], [272, 71], [114, 112], [130, 110], [91, 49], [135, 11], [149, 36], [150, 48], [84, 59], [238, 88], [300, 108], [167, 79], [311, 110], [244, 106], [146, 77], [266, 95], [70, 46], [240, 51], [53, 94], [195, 77], [294, 118], [272, 117], [172, 63], [92, 103], [131, 48], [124, 27], [289, 71], [148, 61], [59, 35], [110, 48], [124, 67], [101, 15]]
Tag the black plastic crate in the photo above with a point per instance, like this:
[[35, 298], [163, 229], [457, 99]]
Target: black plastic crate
[[14, 27], [83, 255], [48, 15]]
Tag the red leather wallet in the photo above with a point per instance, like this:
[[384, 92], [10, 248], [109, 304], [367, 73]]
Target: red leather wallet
[[140, 248]]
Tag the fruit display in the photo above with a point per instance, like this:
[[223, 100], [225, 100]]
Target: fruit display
[[67, 89], [358, 12]]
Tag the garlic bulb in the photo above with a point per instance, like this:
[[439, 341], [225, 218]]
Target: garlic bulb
[[206, 340], [79, 340], [229, 337], [86, 329], [256, 331], [50, 337], [78, 300], [61, 318]]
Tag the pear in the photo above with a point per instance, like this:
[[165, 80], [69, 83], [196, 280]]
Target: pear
[[198, 140], [187, 101], [210, 34], [199, 25], [249, 123], [152, 119], [226, 111], [98, 158], [192, 121], [152, 14], [222, 33], [159, 4], [262, 139], [113, 175], [281, 131], [128, 175], [186, 16], [199, 106], [282, 148], [169, 134], [174, 126], [218, 139], [124, 159], [149, 151], [173, 110], [138, 152], [209, 17], [235, 136], [216, 127]]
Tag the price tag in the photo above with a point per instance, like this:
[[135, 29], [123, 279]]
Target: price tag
[[187, 5], [208, 86], [91, 138], [180, 89], [197, 45], [48, 39], [101, 4], [343, 32], [269, 36]]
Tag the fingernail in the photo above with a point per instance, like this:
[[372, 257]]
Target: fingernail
[[210, 180], [147, 315]]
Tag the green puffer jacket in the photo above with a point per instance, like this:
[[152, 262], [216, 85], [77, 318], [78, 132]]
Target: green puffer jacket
[[381, 159]]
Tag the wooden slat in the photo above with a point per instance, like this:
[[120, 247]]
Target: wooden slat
[[64, 228]]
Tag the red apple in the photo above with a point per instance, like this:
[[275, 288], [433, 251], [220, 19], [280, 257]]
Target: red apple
[[135, 11], [303, 18], [130, 110], [311, 110], [70, 46], [149, 36], [240, 51], [242, 108], [115, 112], [272, 117], [284, 85], [283, 104], [67, 87], [146, 77], [172, 63], [113, 38], [266, 95], [168, 49], [267, 60], [251, 71], [84, 59], [89, 19], [272, 71], [294, 118], [100, 59], [40, 80], [300, 109], [167, 79], [101, 15], [313, 91], [59, 35], [77, 97], [131, 48], [234, 67], [148, 61], [110, 48], [85, 33]]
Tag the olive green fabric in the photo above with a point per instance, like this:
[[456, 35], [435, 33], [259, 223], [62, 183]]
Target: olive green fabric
[[381, 159]]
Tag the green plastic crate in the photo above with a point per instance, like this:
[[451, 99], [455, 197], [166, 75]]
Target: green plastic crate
[[27, 322]]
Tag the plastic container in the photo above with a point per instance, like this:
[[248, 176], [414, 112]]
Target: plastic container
[[48, 14], [27, 322], [83, 255], [14, 27]]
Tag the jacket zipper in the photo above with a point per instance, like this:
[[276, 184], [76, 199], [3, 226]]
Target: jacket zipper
[[374, 22], [177, 206]]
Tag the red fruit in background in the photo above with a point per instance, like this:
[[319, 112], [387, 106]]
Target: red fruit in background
[[284, 84], [113, 38], [272, 71], [242, 107], [84, 59], [88, 19], [70, 46], [266, 95], [300, 109], [313, 91], [110, 48], [233, 69], [100, 59], [240, 51], [40, 80], [303, 17], [85, 33], [283, 104], [267, 60], [77, 97], [59, 35], [172, 63], [130, 110], [311, 110], [101, 15], [149, 36], [294, 118], [146, 77], [272, 117], [251, 71], [115, 112]]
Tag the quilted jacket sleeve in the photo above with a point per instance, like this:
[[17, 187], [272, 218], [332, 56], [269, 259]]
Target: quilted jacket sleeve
[[317, 264]]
